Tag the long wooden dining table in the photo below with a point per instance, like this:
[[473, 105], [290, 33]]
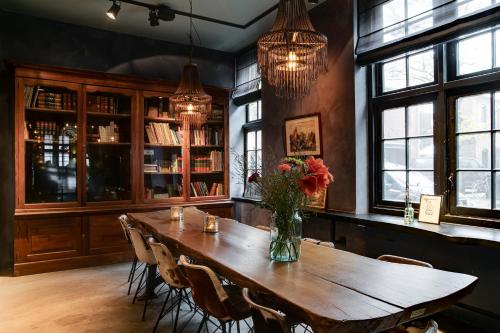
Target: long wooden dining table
[[330, 290]]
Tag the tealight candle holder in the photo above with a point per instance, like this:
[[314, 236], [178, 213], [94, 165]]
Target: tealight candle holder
[[176, 213], [211, 224]]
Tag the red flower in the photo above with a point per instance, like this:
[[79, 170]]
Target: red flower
[[308, 185], [284, 167], [253, 177], [317, 168]]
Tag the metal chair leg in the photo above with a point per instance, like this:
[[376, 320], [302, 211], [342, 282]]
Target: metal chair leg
[[131, 275], [160, 316], [202, 322], [177, 314], [238, 327], [139, 285]]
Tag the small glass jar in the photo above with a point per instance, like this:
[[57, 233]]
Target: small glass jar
[[176, 213], [211, 224]]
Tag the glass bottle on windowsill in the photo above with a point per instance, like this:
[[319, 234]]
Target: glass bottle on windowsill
[[409, 212]]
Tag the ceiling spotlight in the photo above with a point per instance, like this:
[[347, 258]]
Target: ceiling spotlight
[[113, 11], [153, 17]]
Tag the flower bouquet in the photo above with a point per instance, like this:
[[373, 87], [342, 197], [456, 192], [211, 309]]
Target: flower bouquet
[[286, 192]]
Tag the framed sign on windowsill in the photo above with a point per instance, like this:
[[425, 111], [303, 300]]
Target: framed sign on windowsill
[[318, 200], [303, 136], [430, 208]]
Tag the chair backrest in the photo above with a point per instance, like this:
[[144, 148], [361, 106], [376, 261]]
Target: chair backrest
[[311, 240], [167, 265], [124, 223], [206, 289], [142, 251], [403, 260], [330, 245], [266, 320]]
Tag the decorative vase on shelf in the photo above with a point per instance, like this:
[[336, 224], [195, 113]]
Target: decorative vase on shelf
[[286, 234]]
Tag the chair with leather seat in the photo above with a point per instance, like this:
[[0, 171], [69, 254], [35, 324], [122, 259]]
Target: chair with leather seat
[[222, 302], [173, 277], [125, 225], [145, 255], [429, 326], [266, 320]]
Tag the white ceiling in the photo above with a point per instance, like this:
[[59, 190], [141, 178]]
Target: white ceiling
[[133, 20]]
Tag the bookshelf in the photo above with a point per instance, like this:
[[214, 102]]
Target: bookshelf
[[91, 146]]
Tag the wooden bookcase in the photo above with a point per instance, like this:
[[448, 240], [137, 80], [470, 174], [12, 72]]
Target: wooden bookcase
[[83, 156]]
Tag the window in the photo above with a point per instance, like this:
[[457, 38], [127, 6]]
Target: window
[[253, 144], [405, 17], [436, 127], [407, 152]]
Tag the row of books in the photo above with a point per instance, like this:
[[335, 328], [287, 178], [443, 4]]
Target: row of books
[[161, 133], [156, 110], [212, 162], [35, 96], [102, 104], [207, 136], [200, 189], [40, 129], [152, 165], [109, 133]]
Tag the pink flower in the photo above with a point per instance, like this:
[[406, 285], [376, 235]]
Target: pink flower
[[284, 167], [317, 168]]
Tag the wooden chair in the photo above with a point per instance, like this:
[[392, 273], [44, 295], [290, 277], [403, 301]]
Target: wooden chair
[[428, 327], [124, 223], [225, 303], [174, 277], [145, 255], [266, 320]]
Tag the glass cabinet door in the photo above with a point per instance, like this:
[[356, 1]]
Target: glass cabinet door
[[207, 157], [109, 146], [163, 160], [50, 139]]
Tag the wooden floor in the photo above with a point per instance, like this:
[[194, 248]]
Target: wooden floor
[[94, 300]]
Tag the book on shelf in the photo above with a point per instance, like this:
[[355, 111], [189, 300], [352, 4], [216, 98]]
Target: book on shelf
[[200, 189], [207, 136], [206, 163], [109, 133], [217, 113], [36, 96], [102, 104], [162, 133], [151, 168]]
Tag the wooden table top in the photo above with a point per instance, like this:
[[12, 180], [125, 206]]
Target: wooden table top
[[331, 290]]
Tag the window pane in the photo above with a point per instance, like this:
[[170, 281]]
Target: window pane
[[259, 105], [259, 140], [473, 113], [497, 48], [253, 111], [393, 123], [466, 7], [393, 185], [421, 154], [420, 119], [393, 12], [394, 75], [497, 190], [258, 162], [421, 68], [416, 7], [474, 54], [473, 189], [252, 161], [394, 155], [474, 151], [420, 182], [497, 152], [251, 140]]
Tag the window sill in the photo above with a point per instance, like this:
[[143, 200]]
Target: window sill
[[246, 200], [457, 233]]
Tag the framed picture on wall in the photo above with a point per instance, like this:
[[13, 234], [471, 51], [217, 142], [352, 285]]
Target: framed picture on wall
[[303, 136], [430, 208], [318, 200]]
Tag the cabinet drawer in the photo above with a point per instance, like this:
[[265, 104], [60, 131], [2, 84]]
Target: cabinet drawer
[[106, 235]]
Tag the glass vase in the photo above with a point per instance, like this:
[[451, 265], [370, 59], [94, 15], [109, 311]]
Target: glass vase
[[286, 235]]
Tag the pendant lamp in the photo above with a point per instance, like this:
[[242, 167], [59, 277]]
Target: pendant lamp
[[292, 54], [190, 103]]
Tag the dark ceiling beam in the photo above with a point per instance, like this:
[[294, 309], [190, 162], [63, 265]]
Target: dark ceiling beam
[[206, 18]]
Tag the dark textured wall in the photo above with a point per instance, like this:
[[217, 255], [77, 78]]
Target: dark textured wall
[[41, 41], [332, 95]]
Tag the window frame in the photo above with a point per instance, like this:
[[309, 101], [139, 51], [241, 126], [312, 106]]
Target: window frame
[[250, 126], [444, 91]]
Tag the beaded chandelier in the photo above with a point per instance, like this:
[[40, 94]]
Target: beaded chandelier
[[292, 55], [190, 103]]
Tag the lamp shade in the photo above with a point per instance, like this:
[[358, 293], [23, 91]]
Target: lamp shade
[[292, 54], [190, 103]]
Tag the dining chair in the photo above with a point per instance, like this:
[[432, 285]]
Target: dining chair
[[266, 320], [144, 255], [125, 225], [222, 302], [174, 278], [429, 326]]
